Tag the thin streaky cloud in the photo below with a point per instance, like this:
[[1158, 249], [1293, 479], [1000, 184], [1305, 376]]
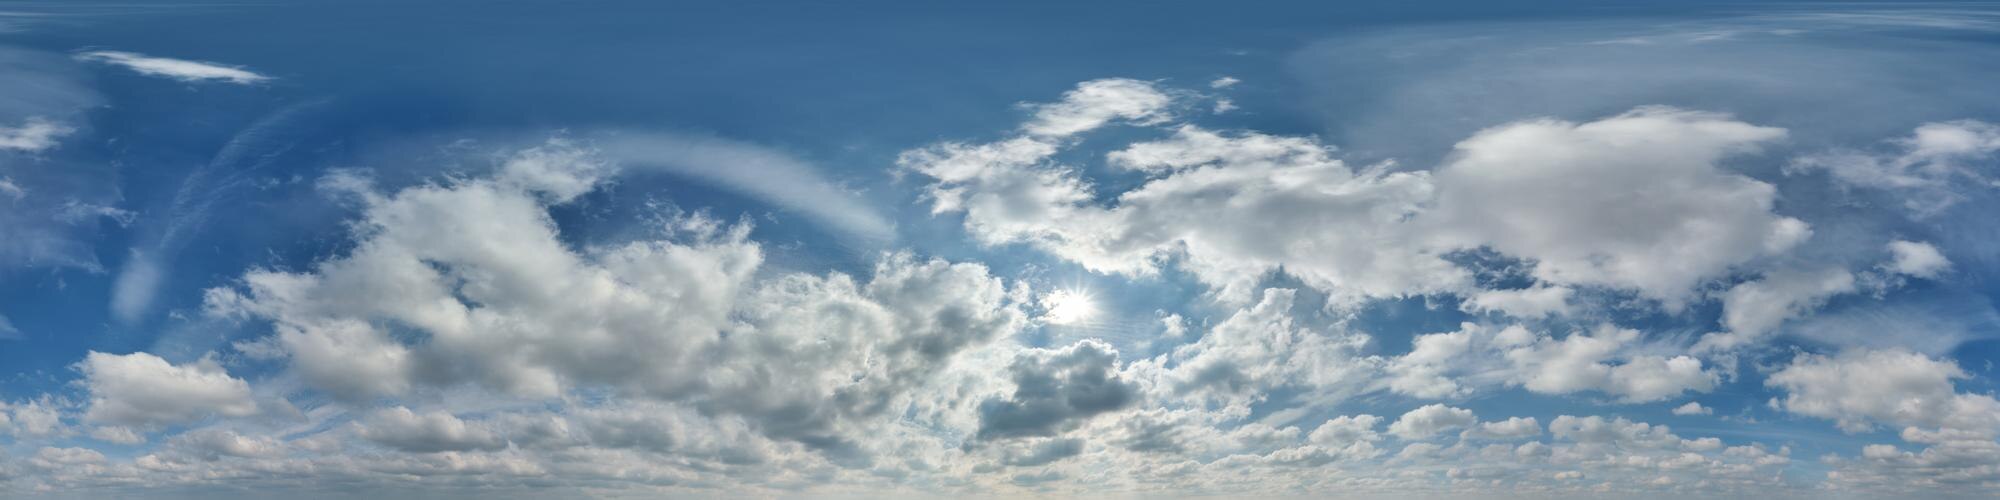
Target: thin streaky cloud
[[178, 69]]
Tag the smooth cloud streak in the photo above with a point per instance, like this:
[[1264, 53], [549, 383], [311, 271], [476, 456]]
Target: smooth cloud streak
[[177, 69]]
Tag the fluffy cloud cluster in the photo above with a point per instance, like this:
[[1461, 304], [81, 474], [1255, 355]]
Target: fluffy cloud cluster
[[1605, 359], [468, 284], [1636, 201], [1863, 387], [463, 340], [141, 389]]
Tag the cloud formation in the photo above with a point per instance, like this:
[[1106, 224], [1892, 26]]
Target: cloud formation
[[176, 69]]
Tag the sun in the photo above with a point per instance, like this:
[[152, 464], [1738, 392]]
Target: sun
[[1068, 307]]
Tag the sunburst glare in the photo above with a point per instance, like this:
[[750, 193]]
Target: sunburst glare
[[1068, 307]]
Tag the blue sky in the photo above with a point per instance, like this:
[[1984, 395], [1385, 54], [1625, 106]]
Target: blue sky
[[628, 249]]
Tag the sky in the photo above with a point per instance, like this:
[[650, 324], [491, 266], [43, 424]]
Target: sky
[[1409, 249]]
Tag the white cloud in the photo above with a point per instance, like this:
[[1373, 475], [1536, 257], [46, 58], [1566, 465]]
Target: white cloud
[[215, 443], [1930, 168], [7, 329], [1754, 308], [489, 295], [1224, 82], [1346, 430], [1693, 408], [1430, 420], [1529, 303], [116, 434], [772, 176], [1511, 428], [1635, 201], [1097, 102], [1581, 361], [140, 389], [35, 135], [32, 419], [1862, 387], [427, 432], [1606, 359], [1213, 199], [177, 69], [1256, 351], [1917, 259]]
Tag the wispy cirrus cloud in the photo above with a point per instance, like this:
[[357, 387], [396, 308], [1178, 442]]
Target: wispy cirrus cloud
[[34, 135], [178, 69]]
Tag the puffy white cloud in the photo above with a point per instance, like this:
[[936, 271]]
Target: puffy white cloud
[[1754, 308], [1346, 430], [1596, 430], [1529, 303], [1511, 428], [177, 69], [1917, 259], [478, 289], [1693, 408], [141, 389], [30, 419], [52, 457], [427, 432], [1097, 102], [34, 135], [1605, 359], [1861, 387], [1258, 350], [1215, 200], [1634, 201], [1430, 420], [1580, 362]]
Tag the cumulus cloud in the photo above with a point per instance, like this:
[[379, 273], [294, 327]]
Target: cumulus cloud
[[496, 299], [1213, 199], [1256, 351], [1604, 359], [1635, 201], [1097, 102], [1054, 388], [1528, 303], [1430, 420], [217, 443], [1346, 430], [1862, 387], [141, 389], [1581, 361], [1918, 259], [177, 69], [427, 432], [1754, 308], [1511, 428], [1693, 408]]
